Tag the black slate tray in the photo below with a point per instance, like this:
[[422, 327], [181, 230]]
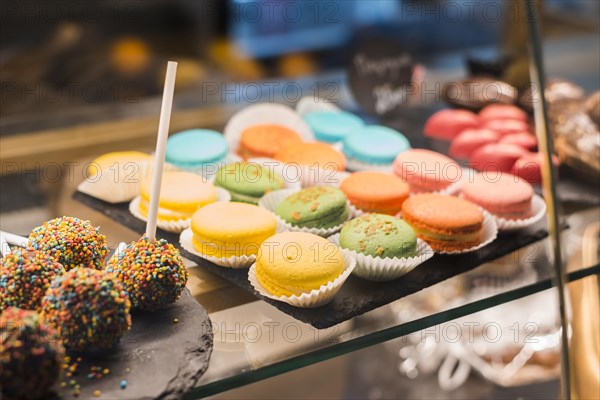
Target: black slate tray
[[357, 296], [158, 358]]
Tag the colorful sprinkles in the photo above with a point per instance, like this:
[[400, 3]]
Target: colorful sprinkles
[[88, 308], [30, 355], [71, 241], [25, 275], [153, 273]]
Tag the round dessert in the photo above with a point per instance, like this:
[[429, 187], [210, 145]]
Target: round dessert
[[426, 170], [506, 126], [502, 111], [88, 308], [195, 148], [314, 207], [446, 223], [506, 196], [375, 144], [496, 157], [266, 140], [447, 124], [152, 272], [181, 194], [379, 235], [25, 275], [30, 355], [376, 192], [470, 140], [72, 242], [248, 182], [524, 139], [314, 154], [332, 126], [293, 263], [231, 229], [529, 167]]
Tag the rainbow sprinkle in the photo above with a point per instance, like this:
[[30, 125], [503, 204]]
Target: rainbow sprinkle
[[30, 355], [88, 308], [153, 273], [71, 241], [25, 275]]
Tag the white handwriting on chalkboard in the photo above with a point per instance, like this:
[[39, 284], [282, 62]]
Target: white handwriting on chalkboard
[[387, 98], [382, 67]]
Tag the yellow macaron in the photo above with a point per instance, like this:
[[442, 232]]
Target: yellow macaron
[[292, 263], [181, 195], [227, 229]]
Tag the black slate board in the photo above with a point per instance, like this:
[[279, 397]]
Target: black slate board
[[357, 296], [165, 359]]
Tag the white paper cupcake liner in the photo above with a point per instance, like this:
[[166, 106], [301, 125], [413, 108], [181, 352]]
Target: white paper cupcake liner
[[264, 113], [355, 165], [316, 297], [308, 104], [538, 208], [386, 269], [488, 234], [185, 240], [270, 201], [177, 225]]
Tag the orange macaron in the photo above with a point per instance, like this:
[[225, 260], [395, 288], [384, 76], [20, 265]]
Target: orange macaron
[[266, 140], [312, 154], [446, 223], [375, 192]]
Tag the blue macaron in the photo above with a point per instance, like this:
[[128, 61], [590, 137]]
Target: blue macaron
[[375, 144], [195, 148], [332, 126]]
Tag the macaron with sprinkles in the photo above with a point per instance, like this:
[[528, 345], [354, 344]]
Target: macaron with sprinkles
[[72, 242]]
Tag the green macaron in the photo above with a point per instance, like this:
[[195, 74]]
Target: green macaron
[[314, 207], [379, 235], [248, 182]]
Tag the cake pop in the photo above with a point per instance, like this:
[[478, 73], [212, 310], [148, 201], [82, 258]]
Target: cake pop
[[73, 242], [88, 308], [30, 355], [25, 275], [152, 272]]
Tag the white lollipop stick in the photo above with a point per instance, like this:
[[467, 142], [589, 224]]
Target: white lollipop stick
[[119, 251], [4, 247], [161, 145], [13, 239]]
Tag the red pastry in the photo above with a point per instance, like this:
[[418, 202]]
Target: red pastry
[[528, 167], [496, 157], [502, 111], [447, 124], [471, 139], [523, 139], [506, 126]]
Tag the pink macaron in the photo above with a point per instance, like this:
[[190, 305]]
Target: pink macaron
[[426, 170], [502, 111], [504, 195], [506, 126], [447, 124], [529, 167], [523, 139], [469, 140], [496, 157]]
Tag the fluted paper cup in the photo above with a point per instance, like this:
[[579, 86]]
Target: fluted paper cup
[[185, 240], [538, 208]]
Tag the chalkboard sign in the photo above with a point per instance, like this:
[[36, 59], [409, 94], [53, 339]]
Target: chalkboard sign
[[380, 75]]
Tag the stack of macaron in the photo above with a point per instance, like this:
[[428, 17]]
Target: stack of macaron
[[197, 150], [375, 192], [248, 181], [373, 147], [499, 138], [428, 171]]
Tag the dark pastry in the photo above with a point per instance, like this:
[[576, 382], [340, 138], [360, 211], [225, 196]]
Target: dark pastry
[[477, 92]]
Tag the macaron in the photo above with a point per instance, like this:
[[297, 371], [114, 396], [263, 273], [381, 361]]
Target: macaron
[[448, 123], [227, 229], [181, 194], [469, 140], [332, 126], [524, 139], [266, 140], [247, 182], [314, 207], [496, 157], [426, 170], [379, 235], [502, 111], [375, 144], [529, 167], [446, 223], [195, 148], [293, 263], [504, 195], [312, 154], [506, 126], [375, 192]]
